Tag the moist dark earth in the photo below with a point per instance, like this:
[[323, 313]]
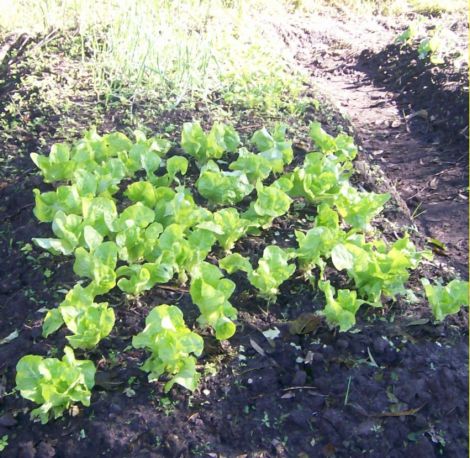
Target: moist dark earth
[[397, 386]]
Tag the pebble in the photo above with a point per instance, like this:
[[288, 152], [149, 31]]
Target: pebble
[[8, 420], [45, 450], [299, 379]]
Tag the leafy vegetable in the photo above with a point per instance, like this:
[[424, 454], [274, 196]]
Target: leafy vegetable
[[144, 277], [274, 147], [55, 384], [232, 227], [89, 322], [171, 344], [98, 265], [222, 188], [446, 300], [254, 166], [271, 203], [64, 198], [321, 179], [68, 229], [56, 167], [358, 208], [342, 146], [273, 269], [210, 292], [340, 311], [220, 139]]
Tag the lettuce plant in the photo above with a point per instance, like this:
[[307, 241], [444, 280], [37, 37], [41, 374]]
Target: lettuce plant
[[230, 227], [274, 147], [55, 384], [378, 269], [255, 166], [358, 208], [273, 270], [172, 346], [222, 188], [100, 213], [446, 299], [213, 145], [68, 229], [271, 203], [64, 198], [143, 277], [142, 191], [178, 208], [210, 292], [342, 146], [88, 321], [57, 166], [98, 265], [340, 311], [321, 179]]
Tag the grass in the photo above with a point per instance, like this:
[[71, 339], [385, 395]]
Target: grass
[[387, 7], [177, 51]]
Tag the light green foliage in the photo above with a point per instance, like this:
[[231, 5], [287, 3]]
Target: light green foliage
[[178, 208], [323, 241], [273, 270], [88, 321], [213, 145], [340, 311], [222, 188], [232, 227], [143, 277], [57, 166], [68, 229], [378, 269], [321, 179], [342, 146], [358, 208], [171, 345], [210, 292], [316, 246], [408, 35], [271, 203], [101, 213], [430, 47], [176, 164], [136, 243], [64, 198], [446, 299], [98, 265], [142, 191], [255, 166], [3, 442], [274, 147], [55, 384], [163, 234]]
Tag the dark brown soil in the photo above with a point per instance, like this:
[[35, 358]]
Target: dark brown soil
[[396, 387]]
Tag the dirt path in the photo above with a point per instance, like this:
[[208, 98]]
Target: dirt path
[[430, 174]]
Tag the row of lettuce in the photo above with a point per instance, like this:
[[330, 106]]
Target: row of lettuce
[[123, 211]]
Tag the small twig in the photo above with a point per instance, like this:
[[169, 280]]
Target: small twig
[[173, 288], [346, 397], [295, 388], [19, 211]]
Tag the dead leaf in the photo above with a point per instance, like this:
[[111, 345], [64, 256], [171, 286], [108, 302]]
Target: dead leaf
[[305, 324], [401, 413], [329, 450], [9, 337], [107, 380], [257, 348], [418, 322]]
